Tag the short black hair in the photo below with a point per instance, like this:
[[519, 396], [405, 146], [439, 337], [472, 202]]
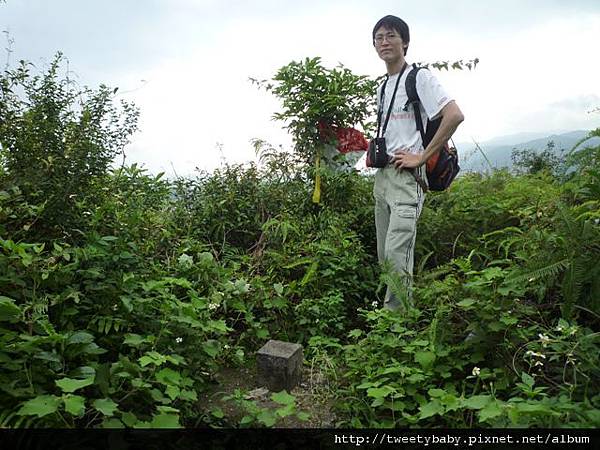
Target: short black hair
[[396, 24]]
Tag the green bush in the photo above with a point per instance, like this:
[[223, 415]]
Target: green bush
[[123, 294]]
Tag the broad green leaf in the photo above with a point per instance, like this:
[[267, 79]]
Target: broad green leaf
[[129, 419], [40, 406], [490, 411], [92, 349], [394, 369], [168, 376], [80, 337], [172, 392], [246, 420], [146, 360], [71, 385], [211, 348], [425, 358], [283, 398], [380, 392], [9, 312], [134, 339], [165, 420], [126, 300], [152, 358], [535, 408], [267, 418], [507, 320], [477, 401], [466, 303], [48, 356], [112, 422], [218, 413], [450, 402], [167, 409], [436, 392], [431, 409], [74, 404], [286, 410], [218, 325], [279, 302], [188, 395], [416, 378], [105, 405], [262, 333], [367, 384], [527, 379], [278, 288]]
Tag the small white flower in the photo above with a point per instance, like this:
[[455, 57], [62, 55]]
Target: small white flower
[[476, 371], [374, 304], [213, 306], [115, 307], [573, 331], [538, 363], [560, 329], [179, 340], [226, 347]]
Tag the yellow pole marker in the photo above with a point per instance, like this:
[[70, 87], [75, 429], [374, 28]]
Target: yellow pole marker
[[316, 197]]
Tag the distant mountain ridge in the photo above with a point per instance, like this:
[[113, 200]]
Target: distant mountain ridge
[[498, 150]]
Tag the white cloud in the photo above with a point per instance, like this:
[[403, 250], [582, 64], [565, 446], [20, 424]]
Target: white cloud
[[537, 68]]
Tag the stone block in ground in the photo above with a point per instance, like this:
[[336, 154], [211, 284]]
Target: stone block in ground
[[279, 365]]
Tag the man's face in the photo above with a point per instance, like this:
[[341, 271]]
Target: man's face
[[389, 45]]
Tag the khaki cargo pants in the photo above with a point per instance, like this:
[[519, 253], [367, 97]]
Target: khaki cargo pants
[[398, 204]]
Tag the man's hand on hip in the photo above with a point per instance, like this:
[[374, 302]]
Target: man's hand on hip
[[402, 159]]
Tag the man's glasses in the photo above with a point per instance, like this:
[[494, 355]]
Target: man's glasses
[[379, 38]]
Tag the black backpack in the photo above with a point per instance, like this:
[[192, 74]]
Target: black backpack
[[442, 167]]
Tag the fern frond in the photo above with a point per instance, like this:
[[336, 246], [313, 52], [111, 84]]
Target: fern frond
[[570, 290], [591, 134], [548, 271]]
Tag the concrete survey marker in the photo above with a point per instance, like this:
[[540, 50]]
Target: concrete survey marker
[[279, 365]]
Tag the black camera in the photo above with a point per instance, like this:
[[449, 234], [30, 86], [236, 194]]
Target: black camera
[[377, 155]]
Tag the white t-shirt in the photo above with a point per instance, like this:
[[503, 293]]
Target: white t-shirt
[[402, 128]]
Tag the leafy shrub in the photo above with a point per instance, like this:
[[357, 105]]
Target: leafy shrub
[[56, 140]]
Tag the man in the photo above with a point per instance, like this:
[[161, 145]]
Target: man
[[398, 196]]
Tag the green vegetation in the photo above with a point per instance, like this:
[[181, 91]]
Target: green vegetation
[[123, 294]]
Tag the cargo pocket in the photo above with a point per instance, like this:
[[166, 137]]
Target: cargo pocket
[[404, 218]]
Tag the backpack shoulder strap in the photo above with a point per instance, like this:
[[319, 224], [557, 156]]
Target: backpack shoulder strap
[[411, 85], [413, 98]]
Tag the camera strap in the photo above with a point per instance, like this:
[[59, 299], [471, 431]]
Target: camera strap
[[380, 109]]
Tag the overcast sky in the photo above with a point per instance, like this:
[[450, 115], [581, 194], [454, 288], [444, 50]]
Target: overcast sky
[[186, 63]]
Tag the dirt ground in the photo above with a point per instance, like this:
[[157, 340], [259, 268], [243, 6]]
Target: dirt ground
[[313, 396]]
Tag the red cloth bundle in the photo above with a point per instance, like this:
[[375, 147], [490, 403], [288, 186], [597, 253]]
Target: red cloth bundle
[[348, 139]]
